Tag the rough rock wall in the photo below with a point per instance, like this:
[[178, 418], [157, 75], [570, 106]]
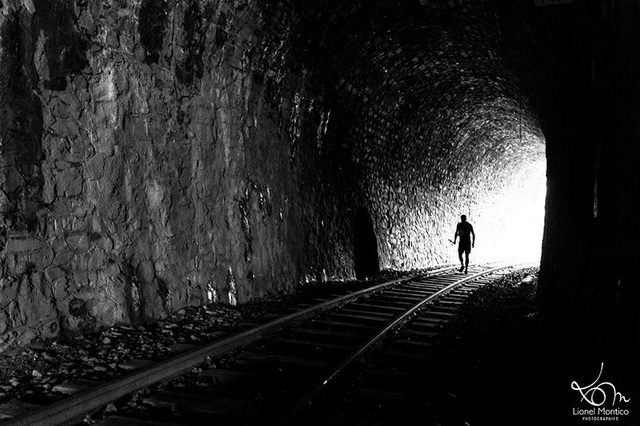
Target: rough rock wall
[[163, 153], [153, 155], [588, 285], [588, 293]]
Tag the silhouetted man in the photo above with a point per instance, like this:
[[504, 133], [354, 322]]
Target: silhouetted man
[[464, 230]]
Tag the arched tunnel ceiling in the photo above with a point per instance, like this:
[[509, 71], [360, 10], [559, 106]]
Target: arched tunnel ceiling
[[436, 76], [438, 105], [443, 94]]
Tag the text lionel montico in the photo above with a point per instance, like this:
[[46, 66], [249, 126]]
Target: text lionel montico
[[602, 398]]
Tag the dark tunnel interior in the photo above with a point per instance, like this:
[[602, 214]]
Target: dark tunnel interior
[[365, 247], [161, 154], [445, 124]]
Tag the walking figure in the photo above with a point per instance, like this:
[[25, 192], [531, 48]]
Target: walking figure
[[464, 230]]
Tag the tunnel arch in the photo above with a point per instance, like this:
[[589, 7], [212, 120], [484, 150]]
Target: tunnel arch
[[438, 118], [223, 150]]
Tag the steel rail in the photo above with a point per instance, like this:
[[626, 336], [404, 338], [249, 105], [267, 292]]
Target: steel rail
[[323, 384], [72, 408]]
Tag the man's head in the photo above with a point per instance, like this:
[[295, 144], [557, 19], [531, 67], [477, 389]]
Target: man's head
[[463, 218]]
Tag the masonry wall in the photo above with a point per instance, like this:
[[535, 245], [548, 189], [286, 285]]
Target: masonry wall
[[154, 155]]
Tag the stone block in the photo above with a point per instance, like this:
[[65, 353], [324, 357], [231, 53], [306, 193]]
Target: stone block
[[106, 243], [66, 112], [25, 288], [48, 186], [78, 241], [53, 273], [127, 44], [57, 147], [102, 88], [80, 210], [60, 288], [114, 269], [4, 322], [24, 245], [94, 168], [50, 330], [6, 204], [57, 243], [77, 151], [9, 287], [63, 127], [96, 224], [28, 4], [106, 113], [82, 261], [146, 271], [115, 211], [64, 257], [139, 129], [153, 305], [62, 165], [86, 22], [121, 76], [69, 183], [41, 259], [72, 323], [139, 53], [26, 336], [112, 40], [102, 279], [105, 140], [97, 260], [80, 279], [13, 180]]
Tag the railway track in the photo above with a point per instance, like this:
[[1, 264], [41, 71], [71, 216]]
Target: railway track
[[356, 355]]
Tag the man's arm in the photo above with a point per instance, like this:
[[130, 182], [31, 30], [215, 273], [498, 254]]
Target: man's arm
[[473, 242], [455, 236]]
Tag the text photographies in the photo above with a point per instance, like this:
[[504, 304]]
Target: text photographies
[[597, 395]]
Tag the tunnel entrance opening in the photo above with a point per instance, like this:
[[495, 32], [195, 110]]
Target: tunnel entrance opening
[[365, 250], [512, 221], [529, 209]]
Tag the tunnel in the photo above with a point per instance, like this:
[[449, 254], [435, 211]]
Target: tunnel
[[159, 154]]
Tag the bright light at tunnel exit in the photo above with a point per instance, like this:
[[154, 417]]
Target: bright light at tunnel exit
[[511, 225]]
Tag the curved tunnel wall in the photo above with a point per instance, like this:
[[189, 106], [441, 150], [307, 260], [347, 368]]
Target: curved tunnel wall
[[157, 155], [175, 152], [443, 127]]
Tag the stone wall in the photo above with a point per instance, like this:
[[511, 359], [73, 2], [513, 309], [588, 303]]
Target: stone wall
[[154, 155], [588, 289]]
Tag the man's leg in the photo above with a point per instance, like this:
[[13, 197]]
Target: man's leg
[[460, 251], [466, 266]]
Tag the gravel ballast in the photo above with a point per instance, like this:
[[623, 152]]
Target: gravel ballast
[[496, 324]]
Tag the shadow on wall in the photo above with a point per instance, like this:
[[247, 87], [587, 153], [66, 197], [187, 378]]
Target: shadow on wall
[[365, 250]]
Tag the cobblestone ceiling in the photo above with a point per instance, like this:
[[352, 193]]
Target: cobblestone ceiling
[[444, 126], [158, 154]]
